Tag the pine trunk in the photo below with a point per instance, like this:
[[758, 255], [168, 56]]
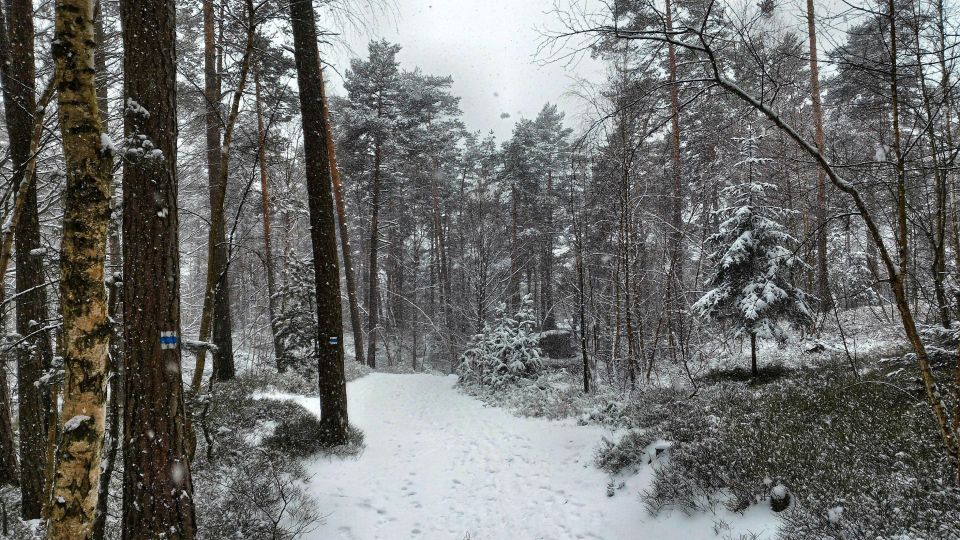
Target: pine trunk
[[345, 249], [333, 389], [674, 288], [513, 290], [83, 298], [373, 301], [157, 481], [9, 468], [114, 420], [278, 349], [549, 320], [823, 282], [34, 356], [216, 302]]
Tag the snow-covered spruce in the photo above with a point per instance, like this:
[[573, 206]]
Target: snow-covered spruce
[[508, 349], [752, 286]]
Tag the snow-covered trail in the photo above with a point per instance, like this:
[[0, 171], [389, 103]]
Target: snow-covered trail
[[440, 465]]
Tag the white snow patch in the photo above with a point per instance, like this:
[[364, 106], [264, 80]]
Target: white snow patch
[[834, 514], [106, 144], [440, 464], [75, 422]]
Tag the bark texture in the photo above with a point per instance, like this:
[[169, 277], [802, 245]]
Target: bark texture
[[333, 389], [83, 298], [373, 290], [35, 354], [157, 482], [115, 365], [9, 466]]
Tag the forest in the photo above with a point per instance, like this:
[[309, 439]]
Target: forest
[[259, 284]]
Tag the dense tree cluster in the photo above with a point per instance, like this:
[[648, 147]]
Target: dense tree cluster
[[197, 180]]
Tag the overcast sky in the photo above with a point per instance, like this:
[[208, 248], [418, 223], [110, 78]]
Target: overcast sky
[[489, 47]]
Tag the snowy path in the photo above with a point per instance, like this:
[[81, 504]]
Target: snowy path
[[441, 465]]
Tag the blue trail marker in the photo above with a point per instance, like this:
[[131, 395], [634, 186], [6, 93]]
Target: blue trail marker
[[168, 340]]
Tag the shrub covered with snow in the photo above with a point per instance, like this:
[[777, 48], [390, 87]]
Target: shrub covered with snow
[[248, 480], [831, 440], [506, 351]]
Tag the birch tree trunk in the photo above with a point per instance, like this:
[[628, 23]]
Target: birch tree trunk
[[157, 481], [83, 298], [333, 388]]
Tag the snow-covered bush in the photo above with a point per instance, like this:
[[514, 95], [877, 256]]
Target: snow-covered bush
[[248, 479], [829, 438], [507, 350]]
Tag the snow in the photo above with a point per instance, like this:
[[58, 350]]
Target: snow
[[106, 144], [75, 422], [440, 464], [834, 514]]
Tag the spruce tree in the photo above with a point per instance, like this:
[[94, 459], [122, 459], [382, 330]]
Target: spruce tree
[[752, 287]]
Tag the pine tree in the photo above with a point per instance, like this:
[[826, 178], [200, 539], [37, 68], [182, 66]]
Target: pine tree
[[323, 233], [157, 477], [35, 354], [373, 88], [752, 290]]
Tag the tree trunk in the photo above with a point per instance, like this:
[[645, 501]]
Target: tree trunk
[[115, 366], [674, 289], [273, 310], [549, 320], [9, 466], [373, 300], [937, 235], [83, 298], [754, 371], [333, 389], [34, 355], [444, 271], [157, 482], [583, 309], [216, 301], [823, 281], [8, 469], [513, 287], [9, 473], [345, 249]]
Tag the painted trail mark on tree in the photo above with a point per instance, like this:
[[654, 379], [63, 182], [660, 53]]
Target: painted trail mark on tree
[[439, 464]]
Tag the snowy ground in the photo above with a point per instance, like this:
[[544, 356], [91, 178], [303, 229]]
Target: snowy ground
[[439, 464]]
